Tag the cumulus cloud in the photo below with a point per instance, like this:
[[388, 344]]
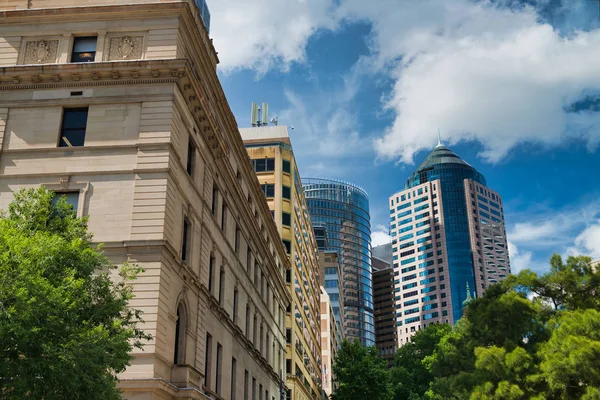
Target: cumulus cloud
[[519, 260], [265, 34], [588, 241], [380, 235], [481, 72]]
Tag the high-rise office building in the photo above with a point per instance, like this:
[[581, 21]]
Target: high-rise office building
[[117, 106], [343, 209], [383, 297], [204, 13], [270, 150], [449, 241]]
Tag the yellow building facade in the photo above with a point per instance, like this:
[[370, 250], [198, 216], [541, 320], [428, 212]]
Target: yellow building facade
[[270, 149]]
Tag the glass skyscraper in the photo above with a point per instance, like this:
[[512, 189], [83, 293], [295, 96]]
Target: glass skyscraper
[[343, 210], [448, 241]]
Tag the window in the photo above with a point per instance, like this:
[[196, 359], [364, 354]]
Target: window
[[248, 321], [260, 392], [224, 217], [286, 219], [263, 164], [288, 335], [260, 348], [246, 383], [233, 378], [72, 198], [218, 369], [221, 286], [208, 360], [248, 260], [236, 244], [235, 305], [253, 388], [84, 49], [288, 246], [268, 189], [286, 166], [185, 241], [215, 200], [286, 192], [191, 158], [74, 123], [180, 329], [254, 327], [211, 265]]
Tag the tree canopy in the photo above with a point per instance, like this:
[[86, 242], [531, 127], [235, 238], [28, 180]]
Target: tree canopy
[[65, 327], [359, 373], [529, 337]]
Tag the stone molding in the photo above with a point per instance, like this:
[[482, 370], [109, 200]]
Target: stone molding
[[125, 48], [41, 51]]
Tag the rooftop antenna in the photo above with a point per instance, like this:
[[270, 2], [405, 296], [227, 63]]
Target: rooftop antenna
[[260, 115], [439, 137]]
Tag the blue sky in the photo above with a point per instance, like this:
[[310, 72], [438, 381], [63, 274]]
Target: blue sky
[[513, 85]]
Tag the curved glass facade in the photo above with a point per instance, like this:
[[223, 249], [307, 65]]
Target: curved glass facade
[[451, 170], [343, 209]]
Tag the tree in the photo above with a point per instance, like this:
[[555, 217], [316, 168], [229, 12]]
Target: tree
[[571, 358], [65, 328], [410, 375], [360, 374]]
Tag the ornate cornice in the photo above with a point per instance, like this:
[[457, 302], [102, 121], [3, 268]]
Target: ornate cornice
[[45, 76]]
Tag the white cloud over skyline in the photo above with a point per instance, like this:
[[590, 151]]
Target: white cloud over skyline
[[470, 68]]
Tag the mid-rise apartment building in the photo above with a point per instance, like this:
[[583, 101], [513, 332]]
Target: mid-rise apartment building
[[116, 105], [270, 150], [330, 342], [385, 310], [448, 241]]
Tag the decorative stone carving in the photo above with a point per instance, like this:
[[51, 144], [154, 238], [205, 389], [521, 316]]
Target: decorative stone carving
[[125, 48], [41, 52]]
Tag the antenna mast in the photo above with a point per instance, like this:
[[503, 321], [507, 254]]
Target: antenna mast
[[260, 116]]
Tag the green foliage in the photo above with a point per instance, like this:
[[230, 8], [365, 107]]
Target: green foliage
[[530, 337], [65, 328], [410, 373], [360, 374]]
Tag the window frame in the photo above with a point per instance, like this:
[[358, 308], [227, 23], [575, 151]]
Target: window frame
[[66, 142], [72, 53]]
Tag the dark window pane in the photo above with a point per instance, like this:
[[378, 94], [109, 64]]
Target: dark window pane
[[286, 219], [84, 49], [286, 192], [270, 164], [73, 127], [287, 166]]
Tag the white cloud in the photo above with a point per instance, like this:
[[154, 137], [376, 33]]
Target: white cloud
[[263, 34], [479, 72], [380, 236], [519, 260], [588, 242]]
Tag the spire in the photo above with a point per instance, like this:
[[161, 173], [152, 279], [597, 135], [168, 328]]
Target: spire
[[439, 138], [469, 298]]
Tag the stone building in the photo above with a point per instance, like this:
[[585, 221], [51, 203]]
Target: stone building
[[117, 105], [270, 149], [330, 341]]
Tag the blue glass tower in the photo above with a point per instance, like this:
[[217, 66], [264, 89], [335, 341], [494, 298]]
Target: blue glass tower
[[343, 209], [452, 171], [204, 13]]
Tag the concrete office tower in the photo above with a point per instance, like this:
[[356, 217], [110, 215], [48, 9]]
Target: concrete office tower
[[385, 310], [117, 105], [272, 156], [330, 341], [448, 239], [343, 209]]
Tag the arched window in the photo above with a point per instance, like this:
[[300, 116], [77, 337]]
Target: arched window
[[180, 329]]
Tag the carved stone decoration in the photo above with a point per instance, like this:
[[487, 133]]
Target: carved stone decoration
[[64, 182], [41, 52], [125, 48]]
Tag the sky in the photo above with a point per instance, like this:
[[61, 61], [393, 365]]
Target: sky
[[512, 85]]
